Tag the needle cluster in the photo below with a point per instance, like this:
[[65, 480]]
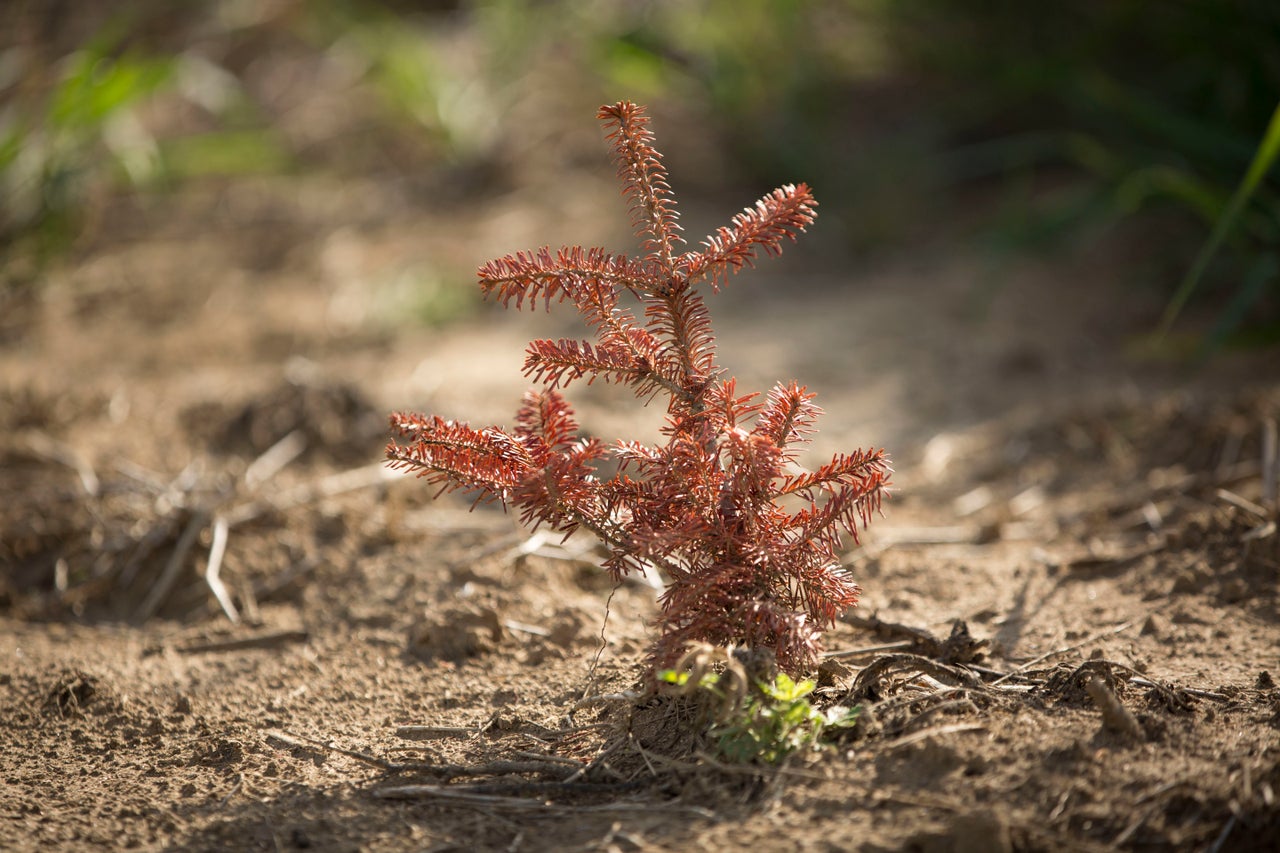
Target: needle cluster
[[746, 539]]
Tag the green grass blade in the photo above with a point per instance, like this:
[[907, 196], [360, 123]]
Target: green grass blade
[[1265, 157], [1260, 277]]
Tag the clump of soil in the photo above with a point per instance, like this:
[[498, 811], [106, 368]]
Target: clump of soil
[[331, 420]]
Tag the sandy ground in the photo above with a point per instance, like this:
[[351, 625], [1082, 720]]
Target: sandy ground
[[207, 377]]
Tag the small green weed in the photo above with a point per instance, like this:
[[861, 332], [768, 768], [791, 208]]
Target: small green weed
[[759, 721]]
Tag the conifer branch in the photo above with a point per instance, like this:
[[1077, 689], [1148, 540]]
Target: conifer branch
[[644, 178], [862, 469], [680, 317], [788, 416], [546, 420], [778, 216], [540, 275]]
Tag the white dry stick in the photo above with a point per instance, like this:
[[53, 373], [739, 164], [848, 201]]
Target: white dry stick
[[212, 571], [525, 548], [55, 451], [1243, 503], [275, 458], [1263, 531], [351, 480], [523, 628]]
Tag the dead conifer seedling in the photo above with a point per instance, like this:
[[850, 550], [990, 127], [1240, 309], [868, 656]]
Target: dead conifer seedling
[[747, 540]]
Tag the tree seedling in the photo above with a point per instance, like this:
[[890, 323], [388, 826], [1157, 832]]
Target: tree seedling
[[746, 540]]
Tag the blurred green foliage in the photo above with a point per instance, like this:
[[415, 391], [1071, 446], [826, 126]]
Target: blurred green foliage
[[771, 75], [417, 65], [909, 117], [75, 126], [1159, 109], [52, 149]]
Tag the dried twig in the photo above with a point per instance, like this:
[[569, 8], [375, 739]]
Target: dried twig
[[1065, 649], [1222, 836], [869, 650], [544, 789], [891, 629], [555, 759], [524, 628], [217, 550], [1094, 666], [264, 590], [261, 641], [924, 734], [1115, 716], [600, 761], [492, 801], [235, 789], [367, 476], [47, 447], [143, 476], [261, 469], [152, 539], [274, 459], [1244, 504], [164, 585], [297, 741], [1270, 464], [1198, 692], [1134, 825], [1262, 531], [891, 664], [553, 767], [445, 772], [435, 732], [958, 647]]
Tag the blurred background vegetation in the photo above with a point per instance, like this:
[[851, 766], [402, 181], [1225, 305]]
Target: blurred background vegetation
[[1010, 126]]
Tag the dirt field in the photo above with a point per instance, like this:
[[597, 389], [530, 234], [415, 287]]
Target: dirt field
[[205, 379]]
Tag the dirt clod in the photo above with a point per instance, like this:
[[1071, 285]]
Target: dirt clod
[[456, 633], [72, 694]]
